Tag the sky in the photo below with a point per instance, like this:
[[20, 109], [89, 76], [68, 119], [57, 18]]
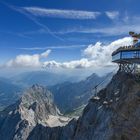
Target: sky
[[64, 34]]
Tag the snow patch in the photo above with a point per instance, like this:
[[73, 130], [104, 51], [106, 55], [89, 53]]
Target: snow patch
[[55, 121]]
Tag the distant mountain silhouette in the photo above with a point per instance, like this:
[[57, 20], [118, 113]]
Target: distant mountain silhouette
[[9, 92], [41, 77]]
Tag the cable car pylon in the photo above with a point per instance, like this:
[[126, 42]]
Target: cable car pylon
[[100, 83]]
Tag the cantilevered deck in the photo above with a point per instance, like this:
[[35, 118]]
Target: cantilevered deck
[[127, 54], [128, 57]]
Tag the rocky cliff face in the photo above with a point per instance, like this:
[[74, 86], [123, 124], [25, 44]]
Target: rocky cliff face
[[70, 96], [112, 115], [35, 107]]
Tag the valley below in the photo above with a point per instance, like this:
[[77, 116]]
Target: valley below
[[112, 114]]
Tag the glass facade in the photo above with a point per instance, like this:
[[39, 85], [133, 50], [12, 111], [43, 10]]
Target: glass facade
[[126, 55], [116, 56], [130, 54]]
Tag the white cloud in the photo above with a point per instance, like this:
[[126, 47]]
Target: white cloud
[[58, 13], [93, 51], [75, 64], [45, 54], [101, 54], [115, 30], [25, 60], [95, 56], [54, 47], [112, 14], [122, 26]]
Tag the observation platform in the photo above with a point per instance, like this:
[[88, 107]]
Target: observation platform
[[127, 54], [128, 57]]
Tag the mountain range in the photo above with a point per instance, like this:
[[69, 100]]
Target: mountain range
[[27, 79], [74, 94], [113, 114], [34, 107]]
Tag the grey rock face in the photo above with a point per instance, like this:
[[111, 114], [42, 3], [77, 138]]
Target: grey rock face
[[34, 107], [58, 133], [114, 115]]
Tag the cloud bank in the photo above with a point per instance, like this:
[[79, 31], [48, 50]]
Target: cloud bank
[[94, 56], [25, 60]]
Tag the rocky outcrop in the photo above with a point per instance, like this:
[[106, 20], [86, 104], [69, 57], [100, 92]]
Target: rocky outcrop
[[58, 133], [112, 115], [35, 107]]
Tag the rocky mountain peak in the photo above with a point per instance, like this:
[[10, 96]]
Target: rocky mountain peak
[[37, 95], [111, 115], [35, 107]]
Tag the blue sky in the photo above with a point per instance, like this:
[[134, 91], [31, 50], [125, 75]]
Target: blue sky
[[66, 27]]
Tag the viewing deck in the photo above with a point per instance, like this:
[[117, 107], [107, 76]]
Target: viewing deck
[[127, 54], [128, 57]]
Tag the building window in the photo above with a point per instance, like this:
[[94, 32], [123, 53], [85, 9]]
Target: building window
[[116, 57]]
